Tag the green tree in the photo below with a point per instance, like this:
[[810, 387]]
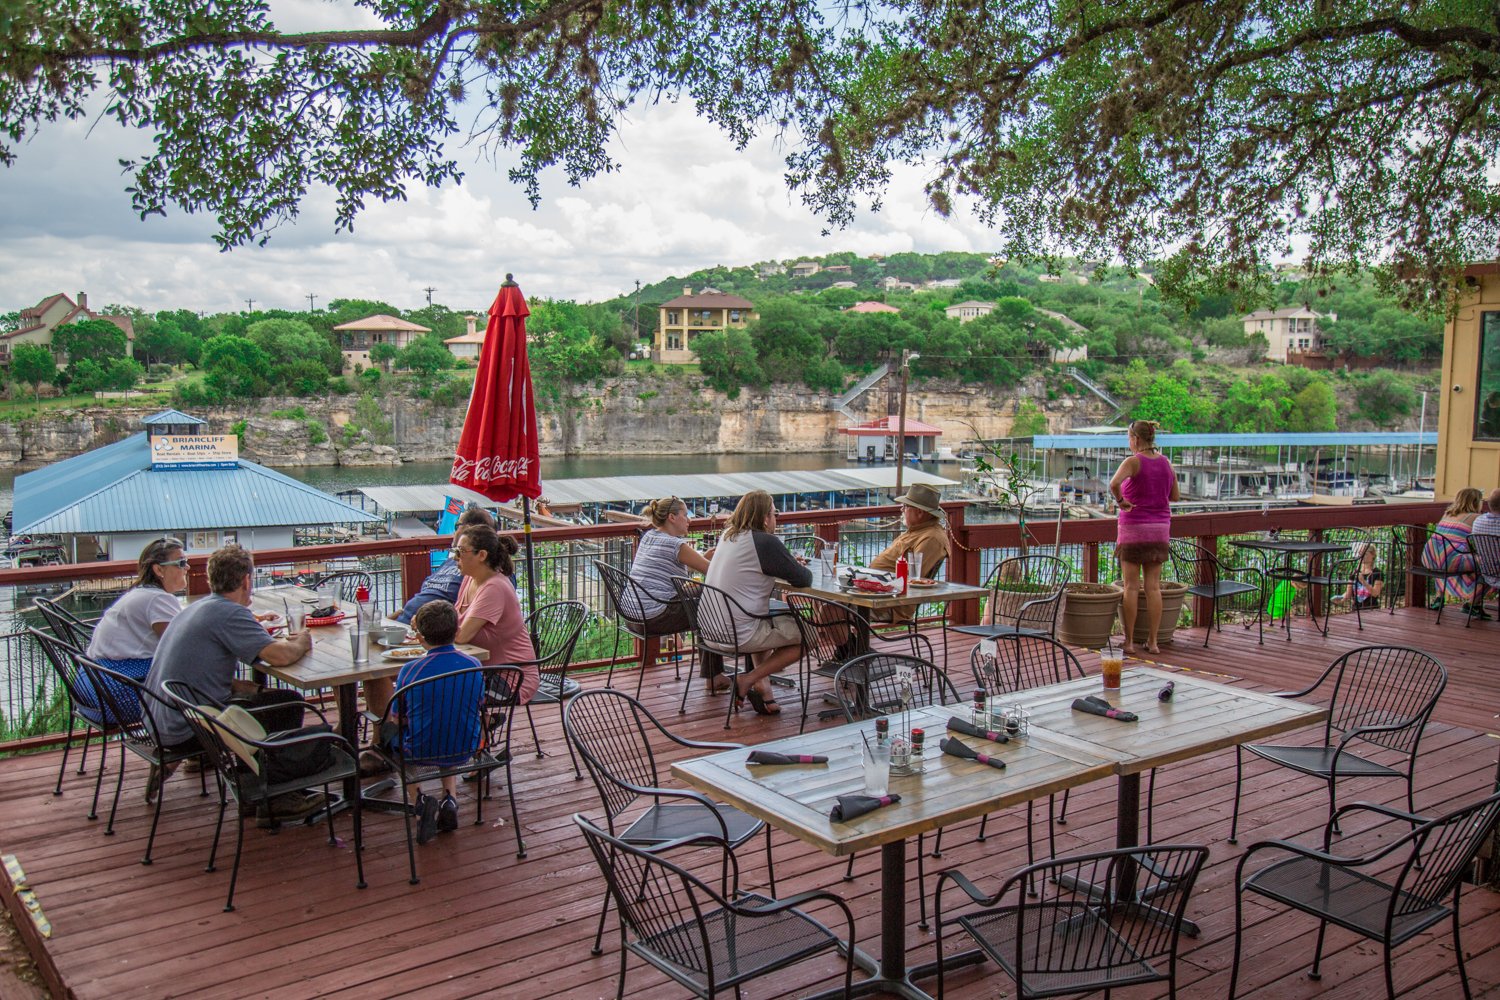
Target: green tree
[[1177, 405], [383, 354], [425, 356], [90, 338], [32, 364], [728, 360], [1383, 398], [1314, 409], [1256, 406], [1029, 421], [235, 368]]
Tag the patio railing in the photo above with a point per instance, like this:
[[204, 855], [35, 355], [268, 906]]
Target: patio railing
[[31, 707]]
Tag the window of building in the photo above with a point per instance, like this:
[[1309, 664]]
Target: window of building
[[734, 316], [672, 317], [1487, 399], [701, 317], [674, 341]]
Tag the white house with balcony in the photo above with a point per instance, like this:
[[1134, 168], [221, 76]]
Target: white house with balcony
[[1288, 331]]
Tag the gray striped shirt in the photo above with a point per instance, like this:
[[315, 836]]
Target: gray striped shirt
[[655, 564]]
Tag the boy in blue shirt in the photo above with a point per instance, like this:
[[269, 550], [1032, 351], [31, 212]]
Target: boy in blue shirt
[[442, 722]]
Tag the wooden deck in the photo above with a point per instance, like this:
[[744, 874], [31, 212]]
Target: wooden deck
[[484, 923]]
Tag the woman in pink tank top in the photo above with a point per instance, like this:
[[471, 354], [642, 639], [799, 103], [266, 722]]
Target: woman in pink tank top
[[1143, 486]]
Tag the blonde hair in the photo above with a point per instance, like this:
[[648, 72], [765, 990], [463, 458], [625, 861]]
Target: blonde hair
[[1144, 431], [1466, 502], [750, 513], [659, 510]]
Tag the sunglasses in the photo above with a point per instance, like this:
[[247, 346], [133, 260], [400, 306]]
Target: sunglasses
[[179, 563]]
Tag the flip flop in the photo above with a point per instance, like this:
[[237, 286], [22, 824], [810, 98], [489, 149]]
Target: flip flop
[[761, 703]]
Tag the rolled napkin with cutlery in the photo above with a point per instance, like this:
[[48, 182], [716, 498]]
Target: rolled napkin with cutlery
[[1095, 705], [853, 806], [1165, 694], [771, 757], [969, 729], [958, 748]]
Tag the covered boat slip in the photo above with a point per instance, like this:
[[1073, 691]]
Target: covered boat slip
[[801, 490]]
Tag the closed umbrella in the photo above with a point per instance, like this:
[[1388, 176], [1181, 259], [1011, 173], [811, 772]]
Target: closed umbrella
[[497, 451]]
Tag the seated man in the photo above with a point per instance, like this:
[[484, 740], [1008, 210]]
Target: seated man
[[442, 724], [924, 536], [203, 647], [442, 583]]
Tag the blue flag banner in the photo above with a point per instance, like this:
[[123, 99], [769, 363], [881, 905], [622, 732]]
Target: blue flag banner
[[447, 521]]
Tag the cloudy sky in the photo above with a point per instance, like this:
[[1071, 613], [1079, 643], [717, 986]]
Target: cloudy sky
[[684, 199]]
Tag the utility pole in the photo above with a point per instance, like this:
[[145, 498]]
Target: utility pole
[[907, 357], [429, 290], [249, 305], [637, 342], [311, 302]]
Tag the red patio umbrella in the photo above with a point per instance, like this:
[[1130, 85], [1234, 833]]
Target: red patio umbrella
[[497, 451]]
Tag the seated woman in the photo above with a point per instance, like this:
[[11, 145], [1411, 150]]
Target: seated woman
[[746, 565], [661, 555], [1368, 582], [442, 583], [489, 612], [126, 637], [1448, 549]]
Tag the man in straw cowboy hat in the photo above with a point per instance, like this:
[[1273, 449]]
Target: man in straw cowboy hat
[[924, 536]]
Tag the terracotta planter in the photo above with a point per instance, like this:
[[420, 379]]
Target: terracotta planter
[[1173, 595], [1088, 613]]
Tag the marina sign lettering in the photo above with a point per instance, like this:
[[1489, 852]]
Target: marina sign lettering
[[194, 451]]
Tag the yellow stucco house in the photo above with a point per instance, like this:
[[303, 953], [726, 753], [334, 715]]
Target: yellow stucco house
[[689, 316]]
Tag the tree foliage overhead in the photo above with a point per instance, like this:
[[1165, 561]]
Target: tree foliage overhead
[[1209, 134]]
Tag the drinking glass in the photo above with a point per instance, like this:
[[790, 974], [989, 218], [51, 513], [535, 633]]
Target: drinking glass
[[877, 758], [359, 645], [914, 565], [1111, 662]]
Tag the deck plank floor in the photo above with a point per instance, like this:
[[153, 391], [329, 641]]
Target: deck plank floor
[[483, 923]]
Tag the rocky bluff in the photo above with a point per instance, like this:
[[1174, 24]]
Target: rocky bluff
[[660, 414]]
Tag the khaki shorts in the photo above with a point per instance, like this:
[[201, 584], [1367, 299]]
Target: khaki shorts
[[773, 633]]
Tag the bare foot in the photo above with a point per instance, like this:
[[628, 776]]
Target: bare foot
[[1153, 649], [1128, 649]]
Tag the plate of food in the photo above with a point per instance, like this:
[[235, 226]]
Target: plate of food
[[402, 654], [271, 620], [409, 639], [924, 583]]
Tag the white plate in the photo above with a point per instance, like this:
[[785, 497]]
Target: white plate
[[402, 654], [272, 620], [925, 586]]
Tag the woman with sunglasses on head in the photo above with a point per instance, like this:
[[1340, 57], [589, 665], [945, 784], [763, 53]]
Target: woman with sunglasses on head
[[662, 554], [125, 638]]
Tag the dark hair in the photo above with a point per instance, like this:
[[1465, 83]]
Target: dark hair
[[436, 622], [1144, 431], [155, 554], [476, 515], [497, 548], [228, 567]]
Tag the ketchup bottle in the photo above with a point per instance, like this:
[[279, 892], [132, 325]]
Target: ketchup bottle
[[903, 571]]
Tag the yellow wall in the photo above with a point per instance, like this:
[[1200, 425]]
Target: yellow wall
[[1462, 461]]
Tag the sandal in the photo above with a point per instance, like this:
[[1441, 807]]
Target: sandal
[[761, 703]]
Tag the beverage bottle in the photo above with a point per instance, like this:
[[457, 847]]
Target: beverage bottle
[[363, 606], [882, 730], [981, 713], [917, 738], [902, 572]]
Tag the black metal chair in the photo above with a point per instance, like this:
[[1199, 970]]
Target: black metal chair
[[874, 684], [836, 633], [457, 736], [1487, 554], [627, 596], [1388, 895], [1455, 559], [1025, 595], [714, 614], [140, 738], [1382, 697], [554, 629], [84, 707], [703, 940], [608, 730], [247, 779], [1065, 941], [1343, 572], [64, 624], [348, 581], [1210, 578]]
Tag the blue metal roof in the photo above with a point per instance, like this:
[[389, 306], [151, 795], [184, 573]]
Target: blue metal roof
[[174, 417], [113, 489], [1084, 442]]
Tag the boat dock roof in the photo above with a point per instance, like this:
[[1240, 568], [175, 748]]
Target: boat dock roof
[[1083, 442]]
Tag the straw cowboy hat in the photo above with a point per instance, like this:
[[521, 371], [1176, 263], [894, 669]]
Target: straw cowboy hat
[[922, 497]]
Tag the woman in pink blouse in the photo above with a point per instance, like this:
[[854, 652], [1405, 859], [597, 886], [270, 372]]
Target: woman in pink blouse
[[1143, 486], [489, 612]]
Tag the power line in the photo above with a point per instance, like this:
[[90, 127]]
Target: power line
[[311, 301], [429, 290]]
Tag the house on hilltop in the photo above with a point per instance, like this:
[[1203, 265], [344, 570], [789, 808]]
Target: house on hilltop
[[1289, 332], [970, 310], [40, 321], [357, 338], [872, 307], [689, 316]]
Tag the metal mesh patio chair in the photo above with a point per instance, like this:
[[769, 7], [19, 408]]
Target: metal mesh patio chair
[[874, 684], [1212, 579], [1025, 594], [441, 726], [836, 633], [1455, 559], [626, 596], [64, 624], [609, 730], [705, 940], [1381, 699], [554, 629], [248, 785], [85, 707], [1487, 554], [1389, 895], [1065, 941], [1342, 572], [714, 614]]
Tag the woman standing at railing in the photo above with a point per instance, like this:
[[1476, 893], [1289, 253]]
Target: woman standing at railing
[[1143, 486], [125, 638]]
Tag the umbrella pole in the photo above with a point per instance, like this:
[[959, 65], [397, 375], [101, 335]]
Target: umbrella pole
[[530, 555]]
